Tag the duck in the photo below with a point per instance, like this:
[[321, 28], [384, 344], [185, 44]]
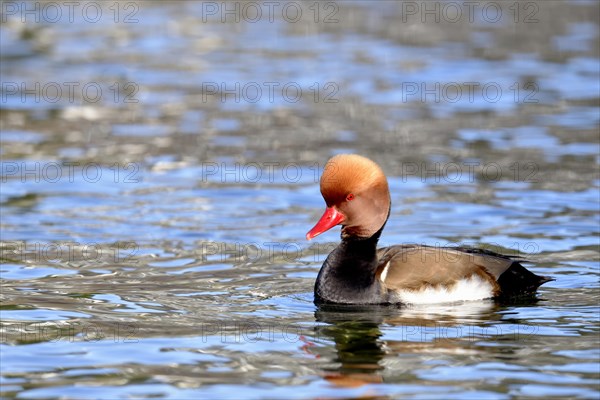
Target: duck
[[357, 197]]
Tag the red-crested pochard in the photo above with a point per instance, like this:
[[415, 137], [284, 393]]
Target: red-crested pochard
[[356, 192]]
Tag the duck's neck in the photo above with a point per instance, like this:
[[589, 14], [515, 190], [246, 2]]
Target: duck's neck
[[348, 274]]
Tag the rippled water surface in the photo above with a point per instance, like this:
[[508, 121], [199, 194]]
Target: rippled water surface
[[160, 170]]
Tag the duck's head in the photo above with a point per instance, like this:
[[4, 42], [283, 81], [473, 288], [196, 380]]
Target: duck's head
[[357, 196]]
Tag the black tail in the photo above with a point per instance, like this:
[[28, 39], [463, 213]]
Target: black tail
[[519, 281]]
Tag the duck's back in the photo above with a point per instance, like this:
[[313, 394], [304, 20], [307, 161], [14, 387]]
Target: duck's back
[[423, 274]]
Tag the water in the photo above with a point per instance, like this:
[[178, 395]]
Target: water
[[153, 222]]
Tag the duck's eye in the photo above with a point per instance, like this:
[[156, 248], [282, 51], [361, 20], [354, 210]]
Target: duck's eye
[[350, 197]]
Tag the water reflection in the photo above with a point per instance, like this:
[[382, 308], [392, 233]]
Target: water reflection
[[370, 341], [355, 332]]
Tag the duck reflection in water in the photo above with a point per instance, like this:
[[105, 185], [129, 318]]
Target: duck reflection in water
[[381, 344]]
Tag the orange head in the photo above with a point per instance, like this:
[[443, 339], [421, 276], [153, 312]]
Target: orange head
[[357, 196]]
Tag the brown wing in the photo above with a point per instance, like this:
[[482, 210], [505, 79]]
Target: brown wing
[[413, 266]]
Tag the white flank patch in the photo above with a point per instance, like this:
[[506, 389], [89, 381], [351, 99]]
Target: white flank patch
[[473, 288], [384, 272]]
